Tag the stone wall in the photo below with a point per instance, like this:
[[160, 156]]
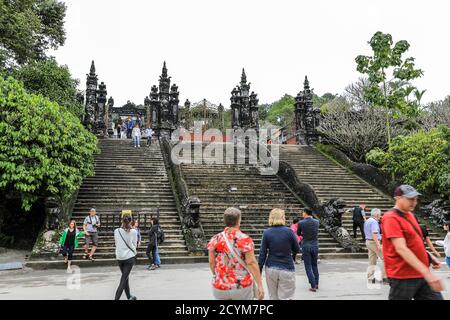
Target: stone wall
[[188, 206]]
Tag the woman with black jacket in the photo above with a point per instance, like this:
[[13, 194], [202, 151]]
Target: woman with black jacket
[[156, 237]]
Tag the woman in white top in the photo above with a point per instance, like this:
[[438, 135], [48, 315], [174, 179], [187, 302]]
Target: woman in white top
[[126, 241], [136, 133]]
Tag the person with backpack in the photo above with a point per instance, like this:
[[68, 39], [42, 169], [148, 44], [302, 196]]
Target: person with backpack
[[359, 218], [90, 225], [125, 239], [406, 259], [130, 126], [156, 238]]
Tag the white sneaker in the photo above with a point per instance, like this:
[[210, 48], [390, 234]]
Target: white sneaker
[[69, 270], [139, 146]]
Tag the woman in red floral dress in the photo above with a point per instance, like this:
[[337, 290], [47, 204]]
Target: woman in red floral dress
[[231, 279]]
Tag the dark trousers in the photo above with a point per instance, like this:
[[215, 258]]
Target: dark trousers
[[68, 252], [151, 253], [408, 289], [125, 267], [310, 254], [149, 141], [360, 225], [118, 133], [129, 133]]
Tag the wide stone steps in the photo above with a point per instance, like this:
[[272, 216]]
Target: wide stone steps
[[256, 195], [127, 178]]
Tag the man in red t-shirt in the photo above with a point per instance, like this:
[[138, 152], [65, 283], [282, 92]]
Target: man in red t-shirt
[[405, 257]]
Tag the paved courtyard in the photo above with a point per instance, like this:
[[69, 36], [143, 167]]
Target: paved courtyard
[[340, 279]]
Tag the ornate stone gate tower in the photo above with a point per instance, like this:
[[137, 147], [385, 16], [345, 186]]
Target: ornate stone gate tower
[[96, 110], [244, 106], [164, 108], [91, 96], [307, 118]]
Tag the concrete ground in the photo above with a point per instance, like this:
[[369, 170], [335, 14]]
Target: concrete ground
[[340, 279]]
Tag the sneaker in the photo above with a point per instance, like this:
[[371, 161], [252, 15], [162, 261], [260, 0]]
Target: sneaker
[[91, 258], [139, 146], [149, 267], [153, 267], [385, 281], [85, 256], [69, 270], [158, 266], [132, 298], [312, 289], [135, 146]]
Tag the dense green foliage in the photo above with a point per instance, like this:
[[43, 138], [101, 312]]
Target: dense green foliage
[[281, 112], [421, 159], [389, 77], [55, 82], [28, 28], [44, 149]]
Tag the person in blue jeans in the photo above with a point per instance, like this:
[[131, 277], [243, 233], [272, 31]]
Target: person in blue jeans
[[308, 228]]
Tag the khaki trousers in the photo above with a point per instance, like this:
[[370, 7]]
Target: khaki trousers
[[281, 284], [374, 253]]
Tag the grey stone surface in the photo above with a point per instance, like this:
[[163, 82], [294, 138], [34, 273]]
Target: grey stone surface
[[340, 279]]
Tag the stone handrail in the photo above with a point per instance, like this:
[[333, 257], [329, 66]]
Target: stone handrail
[[188, 205]]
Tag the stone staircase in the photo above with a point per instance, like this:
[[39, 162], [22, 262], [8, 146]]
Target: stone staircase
[[255, 194], [330, 180], [128, 178]]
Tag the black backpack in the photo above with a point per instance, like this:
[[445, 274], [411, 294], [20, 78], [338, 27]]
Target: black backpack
[[160, 235]]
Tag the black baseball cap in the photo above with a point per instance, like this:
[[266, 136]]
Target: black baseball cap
[[407, 191]]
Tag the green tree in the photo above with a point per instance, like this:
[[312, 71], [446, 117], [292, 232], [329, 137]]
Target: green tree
[[281, 112], [421, 159], [55, 82], [44, 149], [28, 28], [324, 99], [389, 77]]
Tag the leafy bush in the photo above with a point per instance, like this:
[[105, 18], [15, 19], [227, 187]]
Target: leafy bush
[[421, 159], [44, 149]]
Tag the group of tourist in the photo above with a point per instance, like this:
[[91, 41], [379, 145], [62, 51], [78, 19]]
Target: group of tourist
[[236, 271], [71, 235], [398, 241], [396, 238], [131, 129]]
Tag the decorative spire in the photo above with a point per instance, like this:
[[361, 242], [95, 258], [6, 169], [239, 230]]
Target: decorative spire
[[243, 77], [92, 67], [164, 70], [306, 83]]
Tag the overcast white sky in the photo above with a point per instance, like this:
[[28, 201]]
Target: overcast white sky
[[206, 43]]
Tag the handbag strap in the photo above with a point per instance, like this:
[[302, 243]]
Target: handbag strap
[[126, 243], [401, 214], [234, 254]]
